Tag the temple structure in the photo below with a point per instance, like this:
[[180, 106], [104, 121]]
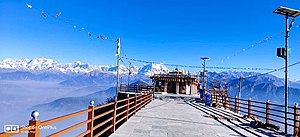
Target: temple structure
[[176, 82]]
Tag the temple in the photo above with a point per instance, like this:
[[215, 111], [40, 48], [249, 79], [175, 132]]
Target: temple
[[176, 82]]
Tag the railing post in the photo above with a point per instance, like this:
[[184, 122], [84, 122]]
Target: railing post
[[114, 117], [249, 108], [141, 101], [296, 123], [91, 117], [152, 95], [120, 87], [217, 97], [227, 103], [127, 107], [222, 99], [144, 99], [235, 105], [135, 102], [224, 103], [34, 124], [153, 90], [214, 98], [268, 112], [148, 97]]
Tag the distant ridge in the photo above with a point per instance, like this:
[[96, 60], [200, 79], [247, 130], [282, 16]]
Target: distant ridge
[[44, 65], [78, 74]]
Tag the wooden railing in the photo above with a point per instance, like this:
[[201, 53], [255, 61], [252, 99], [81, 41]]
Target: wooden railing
[[135, 88], [269, 112], [101, 119]]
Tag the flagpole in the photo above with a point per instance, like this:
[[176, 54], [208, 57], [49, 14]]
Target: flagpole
[[117, 81]]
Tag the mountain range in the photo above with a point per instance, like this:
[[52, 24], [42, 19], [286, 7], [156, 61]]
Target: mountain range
[[79, 74], [73, 74], [44, 65]]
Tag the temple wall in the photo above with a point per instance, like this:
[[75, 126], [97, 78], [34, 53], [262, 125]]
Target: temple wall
[[165, 86], [194, 89], [177, 87], [187, 89]]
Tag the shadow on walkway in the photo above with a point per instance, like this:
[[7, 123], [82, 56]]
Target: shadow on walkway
[[216, 113]]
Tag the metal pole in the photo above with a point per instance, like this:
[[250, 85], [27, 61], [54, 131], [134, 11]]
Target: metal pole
[[240, 87], [117, 81], [286, 73], [204, 84], [129, 73]]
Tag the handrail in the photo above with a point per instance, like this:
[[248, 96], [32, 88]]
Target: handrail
[[276, 115], [117, 122], [84, 133], [105, 105], [131, 108], [259, 102], [264, 110], [258, 107], [277, 110], [131, 98], [258, 116], [107, 128], [122, 100], [130, 105], [102, 123], [69, 128], [103, 114], [120, 107], [121, 113], [131, 113], [243, 107], [54, 120], [277, 105]]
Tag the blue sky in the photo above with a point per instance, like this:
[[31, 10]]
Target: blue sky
[[167, 31]]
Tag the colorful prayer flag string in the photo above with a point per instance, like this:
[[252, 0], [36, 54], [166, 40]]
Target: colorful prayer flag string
[[251, 46], [29, 6], [57, 16]]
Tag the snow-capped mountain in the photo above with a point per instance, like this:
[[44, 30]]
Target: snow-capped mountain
[[42, 65], [151, 69], [78, 73], [108, 79]]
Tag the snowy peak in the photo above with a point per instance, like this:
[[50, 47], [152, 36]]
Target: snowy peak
[[45, 66], [151, 69], [41, 65]]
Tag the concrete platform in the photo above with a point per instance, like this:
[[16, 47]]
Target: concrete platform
[[186, 118]]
